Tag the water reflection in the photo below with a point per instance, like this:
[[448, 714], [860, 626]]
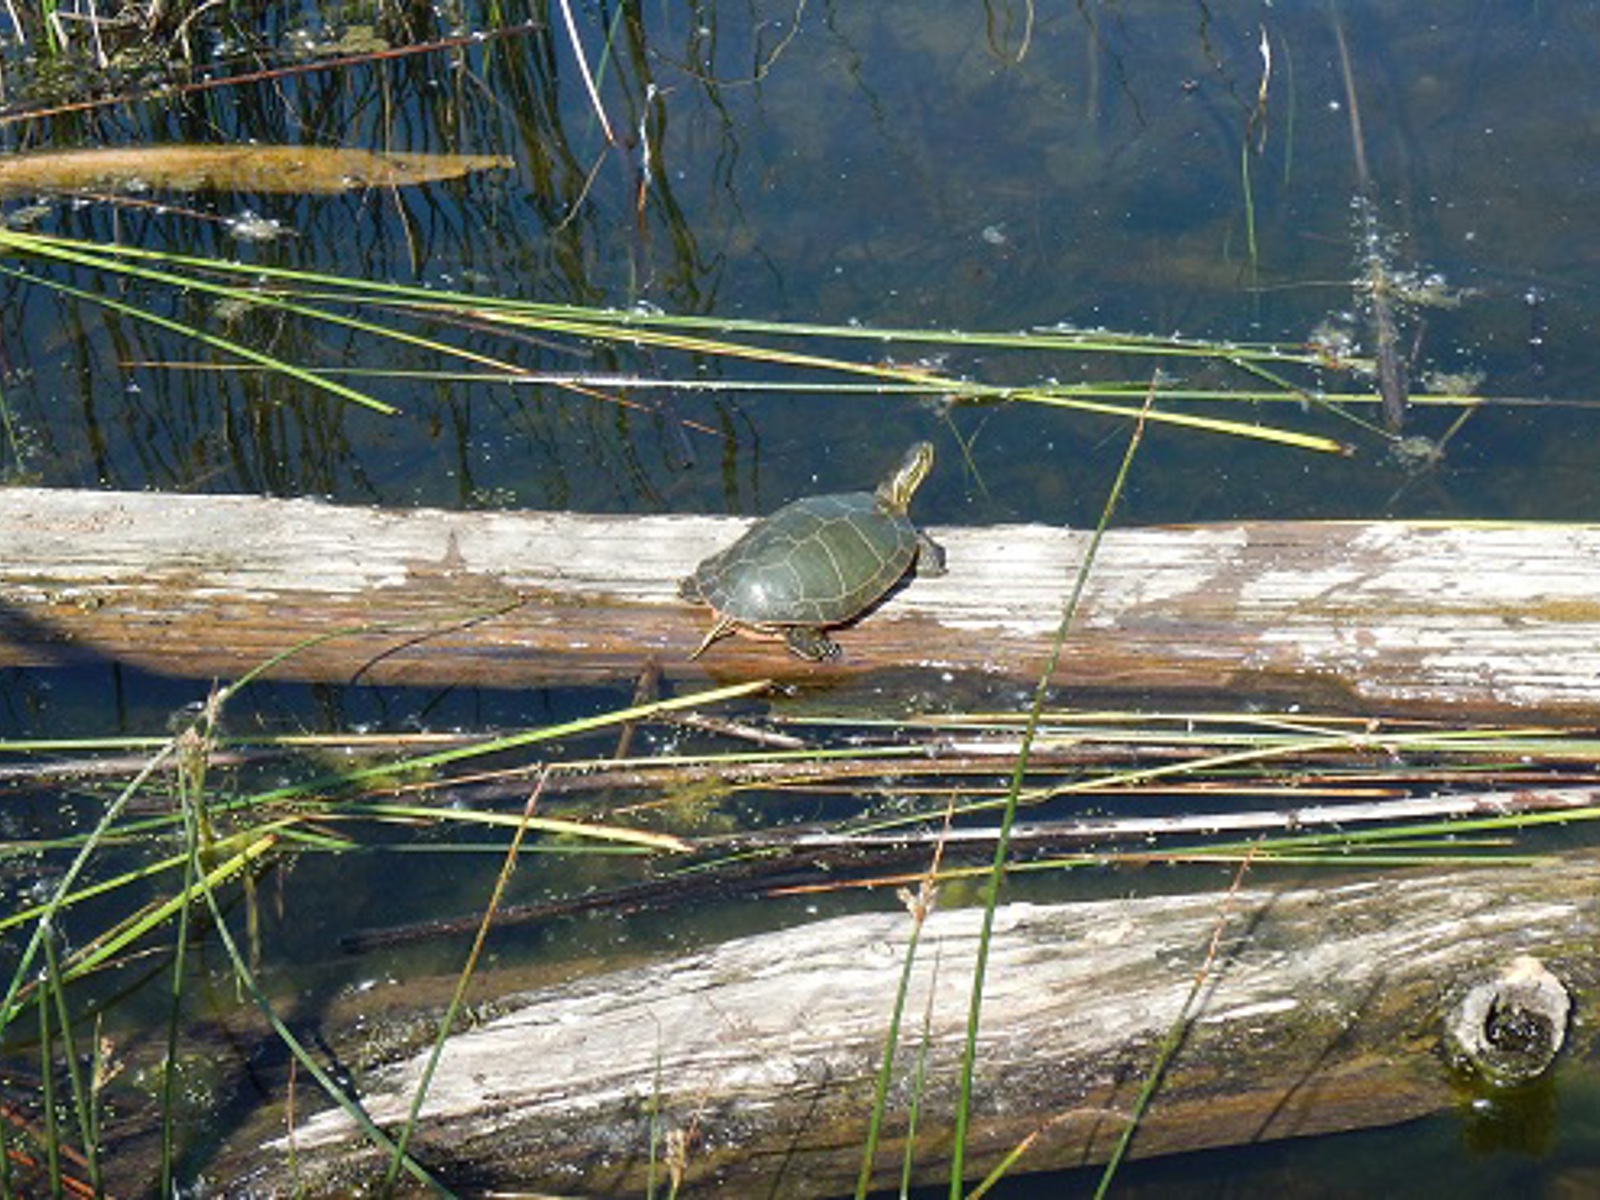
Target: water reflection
[[1105, 166]]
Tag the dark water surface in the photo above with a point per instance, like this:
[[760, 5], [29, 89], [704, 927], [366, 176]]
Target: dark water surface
[[956, 168], [939, 166]]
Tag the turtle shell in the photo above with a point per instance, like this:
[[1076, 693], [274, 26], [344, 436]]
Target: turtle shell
[[817, 561]]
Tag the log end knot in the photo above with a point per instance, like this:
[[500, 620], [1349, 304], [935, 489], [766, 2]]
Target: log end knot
[[1508, 1029]]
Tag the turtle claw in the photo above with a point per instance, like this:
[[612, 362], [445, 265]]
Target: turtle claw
[[810, 643], [930, 556]]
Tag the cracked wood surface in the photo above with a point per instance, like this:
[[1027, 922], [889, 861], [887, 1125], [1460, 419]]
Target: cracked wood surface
[[1473, 620]]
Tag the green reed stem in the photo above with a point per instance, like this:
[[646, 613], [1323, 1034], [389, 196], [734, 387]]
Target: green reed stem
[[47, 1084], [880, 1096], [1003, 841], [398, 1155], [82, 1098]]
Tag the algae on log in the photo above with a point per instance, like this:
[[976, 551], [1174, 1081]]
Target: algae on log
[[1322, 1011], [1474, 621]]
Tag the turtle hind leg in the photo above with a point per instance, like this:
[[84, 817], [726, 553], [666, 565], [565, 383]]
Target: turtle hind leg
[[723, 627], [809, 642], [930, 556]]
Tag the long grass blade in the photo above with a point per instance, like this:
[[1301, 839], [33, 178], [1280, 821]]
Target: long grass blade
[[83, 1101], [306, 1060], [997, 868], [226, 345], [169, 1064], [704, 336], [458, 996], [641, 712], [47, 1092], [99, 950], [919, 905], [42, 927], [1169, 1044]]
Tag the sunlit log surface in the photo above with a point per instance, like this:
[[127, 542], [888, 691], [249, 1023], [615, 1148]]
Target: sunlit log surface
[[1469, 620], [1321, 1009]]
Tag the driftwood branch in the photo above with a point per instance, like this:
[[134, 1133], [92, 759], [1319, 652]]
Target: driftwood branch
[[1323, 1010], [1473, 620]]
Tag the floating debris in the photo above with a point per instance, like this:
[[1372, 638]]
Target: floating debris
[[1534, 298], [1429, 290], [277, 169], [250, 226], [27, 216], [1453, 383]]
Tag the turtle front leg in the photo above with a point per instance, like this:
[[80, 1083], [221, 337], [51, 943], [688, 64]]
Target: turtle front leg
[[930, 556], [809, 642]]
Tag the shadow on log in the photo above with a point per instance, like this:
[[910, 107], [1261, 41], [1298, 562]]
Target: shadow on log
[[1322, 1011]]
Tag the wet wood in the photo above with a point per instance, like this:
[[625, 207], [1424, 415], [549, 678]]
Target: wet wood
[[1468, 620], [1322, 1009]]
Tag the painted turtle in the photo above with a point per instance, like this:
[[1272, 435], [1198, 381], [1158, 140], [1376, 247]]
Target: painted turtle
[[817, 562]]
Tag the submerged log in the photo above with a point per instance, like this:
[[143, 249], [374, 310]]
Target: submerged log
[[1319, 1010], [1474, 620]]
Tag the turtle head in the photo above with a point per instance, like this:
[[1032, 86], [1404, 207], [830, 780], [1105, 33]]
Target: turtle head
[[894, 493]]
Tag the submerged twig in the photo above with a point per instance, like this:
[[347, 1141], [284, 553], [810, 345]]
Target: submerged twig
[[1393, 380]]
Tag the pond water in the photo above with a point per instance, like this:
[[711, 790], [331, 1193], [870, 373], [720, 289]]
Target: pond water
[[1172, 171]]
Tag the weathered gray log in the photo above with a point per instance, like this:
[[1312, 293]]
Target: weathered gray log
[[1322, 1010], [1480, 620]]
